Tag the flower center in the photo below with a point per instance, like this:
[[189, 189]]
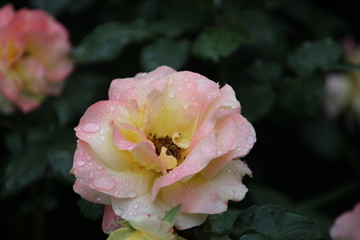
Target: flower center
[[171, 148]]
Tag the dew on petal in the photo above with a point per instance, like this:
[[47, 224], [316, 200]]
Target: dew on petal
[[80, 163], [131, 194], [171, 94], [101, 138], [228, 171], [118, 211], [136, 206], [186, 106], [91, 127], [250, 139], [104, 183]]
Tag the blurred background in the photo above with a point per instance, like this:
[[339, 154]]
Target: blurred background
[[276, 54]]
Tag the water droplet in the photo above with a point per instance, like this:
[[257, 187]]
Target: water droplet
[[189, 85], [173, 175], [91, 127], [250, 139], [80, 163], [111, 108], [118, 211], [219, 152], [171, 94], [101, 131], [186, 106], [228, 171], [88, 157], [136, 206], [101, 138], [104, 183], [99, 167], [131, 194]]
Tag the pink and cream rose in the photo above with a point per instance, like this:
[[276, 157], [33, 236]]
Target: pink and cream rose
[[347, 225], [34, 59], [164, 138]]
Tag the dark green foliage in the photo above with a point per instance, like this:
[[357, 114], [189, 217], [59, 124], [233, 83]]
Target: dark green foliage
[[164, 52], [310, 56], [271, 222], [107, 41], [214, 43]]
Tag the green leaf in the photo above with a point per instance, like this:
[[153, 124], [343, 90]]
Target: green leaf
[[223, 222], [23, 168], [312, 55], [252, 237], [275, 223], [214, 43], [170, 27], [90, 210], [164, 52], [107, 41], [171, 214], [257, 100]]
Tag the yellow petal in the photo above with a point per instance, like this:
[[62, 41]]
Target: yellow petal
[[169, 161]]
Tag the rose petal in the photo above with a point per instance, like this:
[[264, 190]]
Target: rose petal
[[6, 14], [347, 225], [245, 139], [94, 128], [126, 183], [110, 220], [188, 220], [208, 196], [88, 193], [129, 208]]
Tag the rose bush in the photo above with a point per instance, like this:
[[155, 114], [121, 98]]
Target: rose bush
[[347, 225], [163, 139], [34, 60]]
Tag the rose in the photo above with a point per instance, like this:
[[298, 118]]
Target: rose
[[347, 225], [163, 139], [342, 90], [34, 59]]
